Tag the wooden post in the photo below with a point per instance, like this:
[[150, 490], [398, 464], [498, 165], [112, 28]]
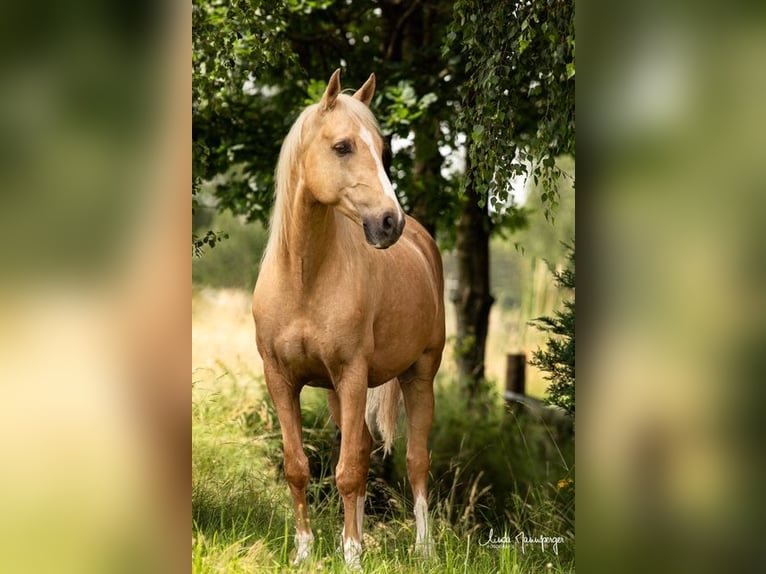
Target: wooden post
[[515, 378]]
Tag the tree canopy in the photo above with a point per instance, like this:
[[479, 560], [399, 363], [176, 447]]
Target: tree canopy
[[517, 93], [497, 76], [473, 94]]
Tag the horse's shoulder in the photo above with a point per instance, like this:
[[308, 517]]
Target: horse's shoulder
[[414, 226], [420, 236]]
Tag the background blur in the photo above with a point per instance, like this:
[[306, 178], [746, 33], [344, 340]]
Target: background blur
[[95, 273], [94, 282], [671, 118]]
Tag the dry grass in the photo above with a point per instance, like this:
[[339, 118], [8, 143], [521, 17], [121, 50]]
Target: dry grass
[[223, 333], [223, 338]]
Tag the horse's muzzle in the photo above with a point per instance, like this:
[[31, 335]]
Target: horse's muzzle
[[382, 232]]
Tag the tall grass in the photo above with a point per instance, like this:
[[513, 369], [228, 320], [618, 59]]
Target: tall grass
[[502, 471]]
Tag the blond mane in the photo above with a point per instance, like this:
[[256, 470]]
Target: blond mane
[[288, 167]]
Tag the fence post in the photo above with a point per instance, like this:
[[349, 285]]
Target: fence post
[[515, 378]]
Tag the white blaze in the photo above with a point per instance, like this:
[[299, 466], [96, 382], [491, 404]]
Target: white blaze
[[366, 136]]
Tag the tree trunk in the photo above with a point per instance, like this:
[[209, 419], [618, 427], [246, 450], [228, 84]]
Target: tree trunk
[[408, 37], [426, 175], [472, 299]]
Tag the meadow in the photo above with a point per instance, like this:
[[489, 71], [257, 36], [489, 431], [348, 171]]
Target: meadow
[[496, 474], [499, 476]]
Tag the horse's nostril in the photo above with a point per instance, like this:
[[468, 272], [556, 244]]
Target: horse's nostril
[[388, 223]]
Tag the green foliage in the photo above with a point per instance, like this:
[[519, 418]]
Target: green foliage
[[235, 262], [558, 359], [517, 97], [507, 70], [256, 64], [403, 107], [245, 99], [211, 239], [235, 130], [231, 41]]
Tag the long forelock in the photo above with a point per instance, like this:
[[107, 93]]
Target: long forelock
[[361, 113]]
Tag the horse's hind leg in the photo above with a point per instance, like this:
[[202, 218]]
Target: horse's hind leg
[[418, 394], [287, 404]]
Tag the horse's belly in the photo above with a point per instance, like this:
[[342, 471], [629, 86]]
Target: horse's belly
[[398, 348], [379, 374], [310, 359]]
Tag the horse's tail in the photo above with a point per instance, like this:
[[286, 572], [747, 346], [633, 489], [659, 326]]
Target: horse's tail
[[383, 411]]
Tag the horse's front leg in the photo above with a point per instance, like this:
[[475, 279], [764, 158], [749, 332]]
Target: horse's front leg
[[286, 398], [354, 460]]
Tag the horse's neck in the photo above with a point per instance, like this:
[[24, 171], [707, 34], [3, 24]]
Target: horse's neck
[[311, 240]]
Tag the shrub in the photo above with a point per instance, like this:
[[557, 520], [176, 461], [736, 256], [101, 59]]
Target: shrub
[[558, 358]]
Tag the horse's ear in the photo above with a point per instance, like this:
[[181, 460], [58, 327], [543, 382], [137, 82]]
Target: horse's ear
[[331, 93], [365, 93]]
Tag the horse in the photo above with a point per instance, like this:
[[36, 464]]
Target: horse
[[349, 298]]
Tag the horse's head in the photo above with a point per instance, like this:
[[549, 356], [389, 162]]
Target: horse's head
[[343, 163]]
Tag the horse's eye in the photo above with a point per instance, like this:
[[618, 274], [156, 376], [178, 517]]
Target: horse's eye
[[343, 147]]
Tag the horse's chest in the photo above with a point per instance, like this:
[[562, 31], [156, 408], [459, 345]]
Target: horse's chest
[[297, 342], [310, 346]]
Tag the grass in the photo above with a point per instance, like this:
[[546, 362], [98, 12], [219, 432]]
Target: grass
[[491, 470], [243, 516]]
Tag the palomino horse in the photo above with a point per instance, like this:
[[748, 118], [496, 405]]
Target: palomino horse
[[349, 298]]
